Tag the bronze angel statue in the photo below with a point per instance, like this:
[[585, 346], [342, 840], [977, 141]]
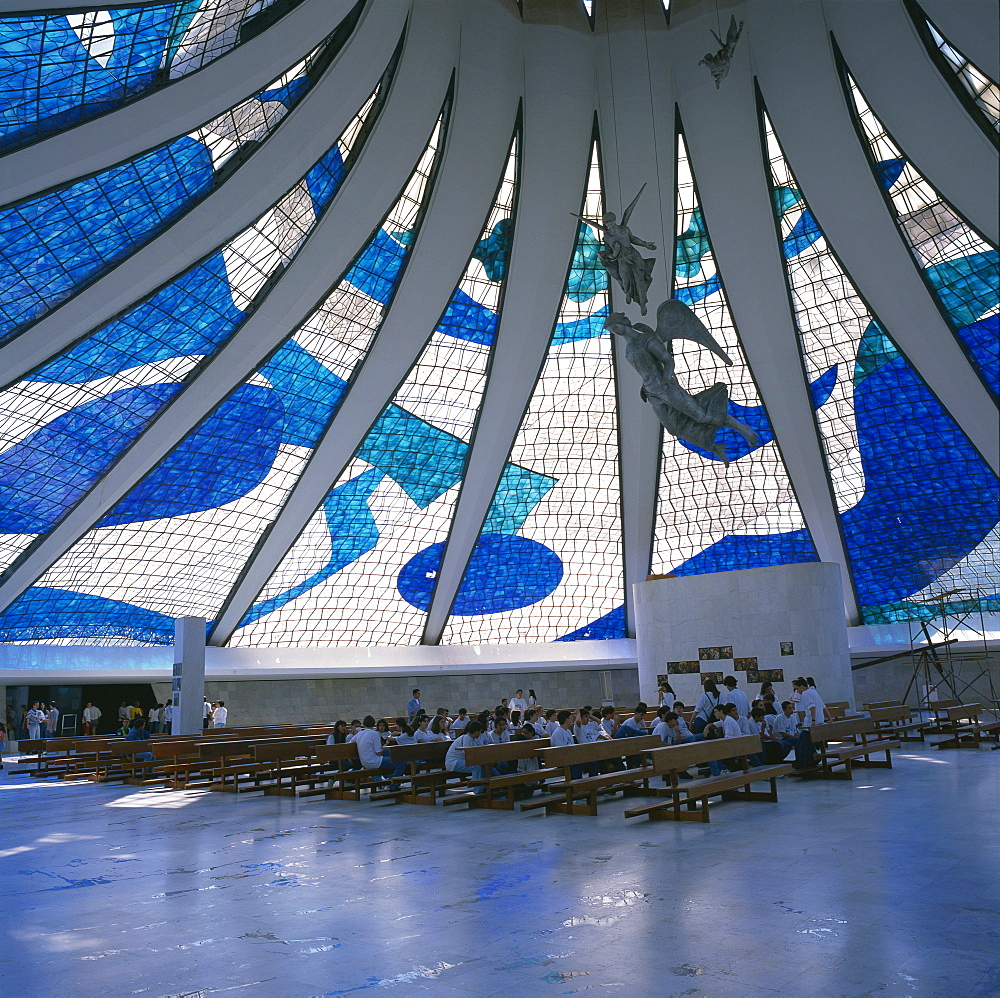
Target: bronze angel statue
[[719, 62], [694, 418], [619, 256]]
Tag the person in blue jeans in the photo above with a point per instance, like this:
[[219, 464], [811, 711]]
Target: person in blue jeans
[[454, 761], [138, 733], [785, 727]]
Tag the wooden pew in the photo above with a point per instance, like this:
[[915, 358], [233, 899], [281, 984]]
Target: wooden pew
[[426, 779], [234, 766], [898, 722], [500, 792], [854, 741], [689, 801], [969, 734], [568, 790], [344, 782]]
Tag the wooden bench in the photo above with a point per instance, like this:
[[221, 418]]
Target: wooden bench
[[847, 743], [569, 790], [898, 722], [501, 792], [426, 779], [971, 733], [239, 769], [689, 801], [344, 780]]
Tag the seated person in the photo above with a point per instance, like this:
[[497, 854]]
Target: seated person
[[725, 725], [369, 742], [474, 735], [609, 722], [138, 733], [789, 734]]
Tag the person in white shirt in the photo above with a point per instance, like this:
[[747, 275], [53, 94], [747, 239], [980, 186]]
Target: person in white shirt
[[91, 717], [532, 699], [707, 703], [154, 719], [439, 728], [517, 707], [667, 695], [609, 723], [369, 743], [421, 732], [500, 734], [206, 712], [735, 695], [35, 718], [219, 714], [454, 761], [786, 729], [586, 728], [460, 723], [810, 703], [729, 727]]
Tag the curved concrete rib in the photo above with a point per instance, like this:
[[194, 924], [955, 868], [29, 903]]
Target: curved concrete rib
[[735, 194], [386, 161], [559, 92], [310, 129], [908, 91], [972, 26], [638, 135], [476, 147], [183, 105], [829, 161]]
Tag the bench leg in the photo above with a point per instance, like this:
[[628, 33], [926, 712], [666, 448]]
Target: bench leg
[[675, 812], [566, 806], [745, 793]]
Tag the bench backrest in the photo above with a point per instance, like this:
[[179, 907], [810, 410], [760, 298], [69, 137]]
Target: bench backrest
[[172, 750], [834, 730], [846, 704], [271, 751], [960, 713], [130, 748], [336, 753], [613, 748], [876, 704], [943, 704], [486, 755], [422, 752], [891, 713], [673, 758]]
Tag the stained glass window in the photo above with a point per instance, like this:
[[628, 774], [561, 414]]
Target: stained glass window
[[388, 515], [56, 243], [177, 542], [959, 265], [711, 517], [918, 507], [57, 70], [64, 424], [548, 559]]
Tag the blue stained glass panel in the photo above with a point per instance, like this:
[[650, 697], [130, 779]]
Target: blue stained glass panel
[[55, 243]]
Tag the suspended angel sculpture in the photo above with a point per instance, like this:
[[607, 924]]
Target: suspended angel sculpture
[[694, 418], [619, 257], [718, 64]]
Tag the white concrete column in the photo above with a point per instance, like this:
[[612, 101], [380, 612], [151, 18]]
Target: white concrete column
[[188, 687]]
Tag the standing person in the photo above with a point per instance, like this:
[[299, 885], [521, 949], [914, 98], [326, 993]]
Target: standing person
[[35, 718], [168, 717], [810, 703], [206, 712], [219, 714], [518, 706], [735, 695], [414, 706], [135, 711], [24, 722], [532, 699], [707, 703], [91, 717], [52, 721], [667, 695], [154, 719], [123, 713]]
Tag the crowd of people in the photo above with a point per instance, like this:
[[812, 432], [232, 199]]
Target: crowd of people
[[783, 727]]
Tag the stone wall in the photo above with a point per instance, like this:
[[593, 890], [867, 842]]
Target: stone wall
[[277, 701], [888, 680]]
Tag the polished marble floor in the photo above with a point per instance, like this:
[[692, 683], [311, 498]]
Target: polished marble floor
[[886, 886]]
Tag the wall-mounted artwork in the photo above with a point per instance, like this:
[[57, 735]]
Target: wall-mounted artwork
[[787, 647], [766, 676], [744, 664], [716, 677], [715, 652], [681, 668]]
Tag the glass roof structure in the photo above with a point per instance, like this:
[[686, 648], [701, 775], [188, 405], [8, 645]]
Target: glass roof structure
[[302, 331]]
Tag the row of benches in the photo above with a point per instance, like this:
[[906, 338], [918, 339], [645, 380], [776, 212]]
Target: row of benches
[[296, 761]]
